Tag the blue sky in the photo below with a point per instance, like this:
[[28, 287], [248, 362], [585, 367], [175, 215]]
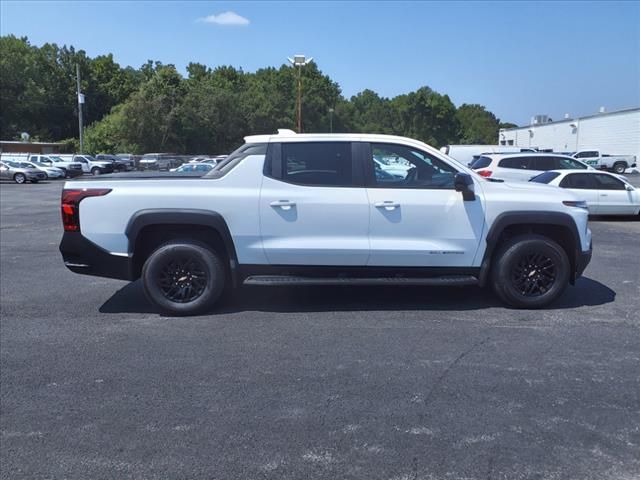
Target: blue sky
[[516, 58]]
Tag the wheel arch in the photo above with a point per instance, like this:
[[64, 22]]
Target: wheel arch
[[148, 229], [559, 227]]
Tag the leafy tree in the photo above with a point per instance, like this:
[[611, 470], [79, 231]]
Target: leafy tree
[[477, 125]]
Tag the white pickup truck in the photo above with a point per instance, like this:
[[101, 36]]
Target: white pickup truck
[[614, 163], [317, 209]]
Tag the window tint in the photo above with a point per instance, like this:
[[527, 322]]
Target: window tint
[[510, 142], [545, 177], [481, 162], [544, 163], [587, 154], [607, 182], [582, 181], [569, 164], [317, 163], [397, 166], [521, 163]]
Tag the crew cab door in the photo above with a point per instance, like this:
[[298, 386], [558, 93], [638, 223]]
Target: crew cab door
[[418, 219], [313, 205], [583, 185]]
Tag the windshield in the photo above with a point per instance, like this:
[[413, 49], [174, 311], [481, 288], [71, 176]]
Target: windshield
[[545, 177], [56, 159]]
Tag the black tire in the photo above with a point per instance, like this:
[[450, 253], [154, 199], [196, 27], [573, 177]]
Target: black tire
[[183, 277], [34, 181], [619, 167], [20, 178], [530, 271], [95, 171]]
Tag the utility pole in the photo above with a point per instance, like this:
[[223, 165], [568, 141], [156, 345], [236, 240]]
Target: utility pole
[[299, 61], [331, 120], [80, 102]]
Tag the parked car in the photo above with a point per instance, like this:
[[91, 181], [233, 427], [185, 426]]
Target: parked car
[[70, 168], [89, 164], [119, 164], [214, 160], [51, 172], [614, 163], [605, 193], [194, 167], [307, 209], [523, 166], [20, 173], [130, 158], [466, 154], [159, 161]]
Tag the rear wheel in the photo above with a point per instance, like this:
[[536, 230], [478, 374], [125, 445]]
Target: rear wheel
[[619, 167], [530, 271], [19, 178], [95, 171], [183, 278]]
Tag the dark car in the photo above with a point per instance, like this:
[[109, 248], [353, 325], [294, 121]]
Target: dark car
[[119, 164]]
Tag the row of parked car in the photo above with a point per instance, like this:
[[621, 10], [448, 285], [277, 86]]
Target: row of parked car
[[27, 167]]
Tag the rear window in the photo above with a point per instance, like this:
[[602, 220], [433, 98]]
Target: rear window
[[545, 177], [481, 162], [317, 163]]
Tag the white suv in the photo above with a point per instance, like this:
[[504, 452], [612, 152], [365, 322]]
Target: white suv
[[318, 209], [524, 166]]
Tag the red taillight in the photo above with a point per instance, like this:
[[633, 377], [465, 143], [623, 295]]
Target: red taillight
[[70, 207], [484, 173]]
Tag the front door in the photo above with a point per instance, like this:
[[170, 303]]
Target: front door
[[417, 218], [615, 199], [584, 187], [312, 210]]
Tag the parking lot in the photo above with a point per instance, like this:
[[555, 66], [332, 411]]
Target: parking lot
[[300, 383]]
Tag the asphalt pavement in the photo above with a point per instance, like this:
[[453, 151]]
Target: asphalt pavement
[[305, 383]]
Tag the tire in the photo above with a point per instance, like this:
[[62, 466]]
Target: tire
[[530, 271], [169, 264], [20, 178], [95, 171], [619, 167], [34, 181], [65, 173]]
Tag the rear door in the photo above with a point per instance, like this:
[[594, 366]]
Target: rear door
[[615, 199], [313, 205], [516, 168], [419, 220], [585, 188]]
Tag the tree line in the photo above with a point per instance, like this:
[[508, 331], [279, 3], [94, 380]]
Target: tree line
[[155, 108]]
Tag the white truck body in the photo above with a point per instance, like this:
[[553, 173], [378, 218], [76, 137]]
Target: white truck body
[[616, 163]]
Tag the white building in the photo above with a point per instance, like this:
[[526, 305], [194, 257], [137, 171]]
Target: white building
[[613, 133]]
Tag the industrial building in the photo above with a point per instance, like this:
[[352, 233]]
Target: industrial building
[[612, 133]]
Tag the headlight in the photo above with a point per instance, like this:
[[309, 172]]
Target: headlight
[[576, 203]]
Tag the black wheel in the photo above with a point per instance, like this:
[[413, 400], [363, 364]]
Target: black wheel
[[619, 167], [95, 171], [530, 271], [183, 278], [19, 178]]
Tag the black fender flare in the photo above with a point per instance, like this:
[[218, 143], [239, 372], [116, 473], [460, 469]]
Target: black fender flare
[[529, 218], [183, 216]]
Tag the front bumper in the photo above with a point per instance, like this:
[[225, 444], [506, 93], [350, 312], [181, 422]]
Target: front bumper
[[582, 260], [81, 255]]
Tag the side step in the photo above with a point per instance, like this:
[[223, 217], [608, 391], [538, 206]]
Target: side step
[[277, 280]]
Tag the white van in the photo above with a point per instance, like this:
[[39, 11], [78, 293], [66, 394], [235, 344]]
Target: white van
[[466, 154]]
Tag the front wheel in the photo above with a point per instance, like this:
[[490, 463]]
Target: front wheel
[[95, 171], [183, 278], [19, 178], [530, 271], [619, 167]]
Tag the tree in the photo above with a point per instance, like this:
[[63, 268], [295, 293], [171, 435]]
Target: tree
[[477, 125]]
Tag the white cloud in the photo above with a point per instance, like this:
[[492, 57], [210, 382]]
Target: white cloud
[[231, 19]]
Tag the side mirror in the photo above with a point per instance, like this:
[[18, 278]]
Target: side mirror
[[464, 183], [629, 188]]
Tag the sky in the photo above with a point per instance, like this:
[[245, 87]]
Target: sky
[[516, 58]]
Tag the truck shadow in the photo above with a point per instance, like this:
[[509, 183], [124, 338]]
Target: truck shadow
[[586, 292]]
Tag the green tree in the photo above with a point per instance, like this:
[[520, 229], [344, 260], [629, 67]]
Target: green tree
[[477, 125]]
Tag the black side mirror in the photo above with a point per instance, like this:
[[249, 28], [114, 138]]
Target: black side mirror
[[464, 183]]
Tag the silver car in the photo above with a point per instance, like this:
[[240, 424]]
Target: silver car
[[20, 174], [51, 172]]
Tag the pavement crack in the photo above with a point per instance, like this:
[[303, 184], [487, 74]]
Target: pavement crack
[[447, 370]]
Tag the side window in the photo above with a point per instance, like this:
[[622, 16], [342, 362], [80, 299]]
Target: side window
[[569, 164], [587, 154], [581, 181], [327, 164], [397, 166], [607, 182], [520, 163], [544, 163], [510, 142]]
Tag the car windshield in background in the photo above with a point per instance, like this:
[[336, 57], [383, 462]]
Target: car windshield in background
[[236, 157], [545, 177], [481, 162]]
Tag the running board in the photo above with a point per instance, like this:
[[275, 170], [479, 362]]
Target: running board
[[277, 280]]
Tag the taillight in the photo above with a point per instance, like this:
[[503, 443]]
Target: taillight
[[484, 173], [70, 205]]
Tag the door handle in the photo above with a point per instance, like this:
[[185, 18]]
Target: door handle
[[284, 204], [604, 194], [387, 205]]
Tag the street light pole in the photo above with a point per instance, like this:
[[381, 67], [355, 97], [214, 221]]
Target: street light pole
[[331, 120], [80, 102], [299, 61]]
